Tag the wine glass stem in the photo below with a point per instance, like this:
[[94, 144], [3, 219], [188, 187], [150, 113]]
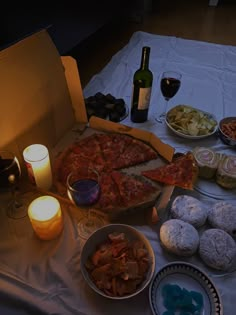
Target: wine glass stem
[[16, 203], [89, 221], [166, 107], [162, 116]]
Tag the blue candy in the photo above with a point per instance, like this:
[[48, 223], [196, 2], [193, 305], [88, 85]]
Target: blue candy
[[180, 300]]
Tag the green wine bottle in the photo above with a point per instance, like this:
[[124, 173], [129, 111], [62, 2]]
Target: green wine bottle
[[142, 86]]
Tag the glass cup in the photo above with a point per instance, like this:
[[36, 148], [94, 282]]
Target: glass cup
[[83, 189]]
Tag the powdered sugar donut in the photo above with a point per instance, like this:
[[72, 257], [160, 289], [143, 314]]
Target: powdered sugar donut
[[189, 209], [179, 237], [222, 215], [217, 249]]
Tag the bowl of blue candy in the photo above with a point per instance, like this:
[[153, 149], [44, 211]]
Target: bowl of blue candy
[[183, 288]]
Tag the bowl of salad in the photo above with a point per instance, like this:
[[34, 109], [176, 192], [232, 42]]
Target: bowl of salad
[[190, 122]]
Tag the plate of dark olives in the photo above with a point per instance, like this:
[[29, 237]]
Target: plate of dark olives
[[106, 106]]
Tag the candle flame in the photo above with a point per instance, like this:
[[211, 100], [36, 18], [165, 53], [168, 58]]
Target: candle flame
[[44, 208]]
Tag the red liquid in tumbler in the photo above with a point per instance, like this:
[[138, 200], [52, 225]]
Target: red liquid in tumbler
[[87, 192]]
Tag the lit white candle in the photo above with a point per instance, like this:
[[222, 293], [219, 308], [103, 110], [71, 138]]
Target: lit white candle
[[46, 217], [38, 165]]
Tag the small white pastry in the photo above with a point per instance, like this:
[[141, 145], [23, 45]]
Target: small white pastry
[[189, 209], [217, 249], [179, 237], [222, 215]]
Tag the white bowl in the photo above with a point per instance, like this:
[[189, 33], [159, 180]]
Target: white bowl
[[99, 237], [188, 136]]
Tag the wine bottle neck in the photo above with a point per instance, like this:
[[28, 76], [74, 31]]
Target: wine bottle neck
[[145, 58]]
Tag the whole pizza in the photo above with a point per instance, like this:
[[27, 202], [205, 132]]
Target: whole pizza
[[109, 154]]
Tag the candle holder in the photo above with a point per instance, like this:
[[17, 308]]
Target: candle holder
[[46, 217], [38, 165]]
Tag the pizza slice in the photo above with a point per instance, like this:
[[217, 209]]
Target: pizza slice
[[89, 148], [181, 172], [71, 159], [132, 189], [113, 145], [65, 165], [109, 194], [135, 153]]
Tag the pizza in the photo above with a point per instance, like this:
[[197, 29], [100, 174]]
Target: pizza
[[135, 153], [121, 191], [109, 154], [181, 172]]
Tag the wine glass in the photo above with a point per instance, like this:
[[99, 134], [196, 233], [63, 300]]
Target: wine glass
[[170, 84], [83, 189], [10, 173]]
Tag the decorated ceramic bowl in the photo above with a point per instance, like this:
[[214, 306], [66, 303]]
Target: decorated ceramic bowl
[[227, 131]]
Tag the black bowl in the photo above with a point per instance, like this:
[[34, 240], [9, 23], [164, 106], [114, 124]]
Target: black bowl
[[225, 138]]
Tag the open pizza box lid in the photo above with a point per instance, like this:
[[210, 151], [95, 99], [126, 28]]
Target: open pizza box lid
[[41, 95], [42, 100]]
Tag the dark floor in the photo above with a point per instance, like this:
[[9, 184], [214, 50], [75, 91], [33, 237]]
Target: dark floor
[[183, 18]]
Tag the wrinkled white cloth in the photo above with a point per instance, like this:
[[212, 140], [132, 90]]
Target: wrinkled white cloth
[[208, 81], [43, 277]]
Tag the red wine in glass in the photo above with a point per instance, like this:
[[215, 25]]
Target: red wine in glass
[[169, 87], [170, 84], [83, 190]]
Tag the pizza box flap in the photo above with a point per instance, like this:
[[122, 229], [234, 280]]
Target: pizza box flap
[[41, 94], [165, 150]]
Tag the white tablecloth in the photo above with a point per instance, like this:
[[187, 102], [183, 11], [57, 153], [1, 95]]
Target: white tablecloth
[[208, 80], [43, 277]]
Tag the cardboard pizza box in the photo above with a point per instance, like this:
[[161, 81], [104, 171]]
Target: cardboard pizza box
[[41, 94]]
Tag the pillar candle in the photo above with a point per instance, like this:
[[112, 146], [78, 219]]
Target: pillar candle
[[46, 217], [38, 165]]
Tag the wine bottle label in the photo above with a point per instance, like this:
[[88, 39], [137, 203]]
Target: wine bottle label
[[144, 98]]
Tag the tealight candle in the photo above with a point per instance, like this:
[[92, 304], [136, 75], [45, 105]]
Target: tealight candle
[[38, 165], [46, 217]]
